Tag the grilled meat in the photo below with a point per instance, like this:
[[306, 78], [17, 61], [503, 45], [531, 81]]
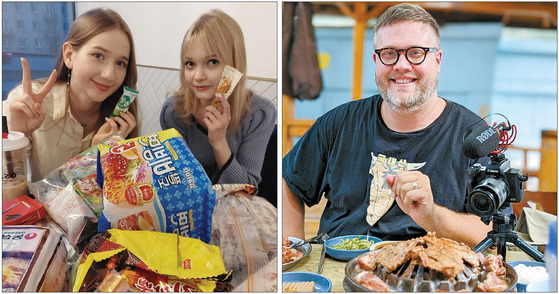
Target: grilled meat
[[421, 261], [371, 282]]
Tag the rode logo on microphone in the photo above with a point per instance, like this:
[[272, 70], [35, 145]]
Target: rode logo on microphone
[[486, 135]]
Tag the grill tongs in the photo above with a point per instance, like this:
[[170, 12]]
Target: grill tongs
[[309, 240]]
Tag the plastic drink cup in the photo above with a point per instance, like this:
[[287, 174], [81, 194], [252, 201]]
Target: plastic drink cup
[[14, 165]]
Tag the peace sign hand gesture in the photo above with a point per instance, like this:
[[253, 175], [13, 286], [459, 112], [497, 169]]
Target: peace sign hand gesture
[[26, 112]]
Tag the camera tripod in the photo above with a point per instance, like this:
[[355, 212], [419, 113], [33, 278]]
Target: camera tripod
[[502, 232]]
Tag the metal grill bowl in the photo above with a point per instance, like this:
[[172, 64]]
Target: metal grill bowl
[[423, 280]]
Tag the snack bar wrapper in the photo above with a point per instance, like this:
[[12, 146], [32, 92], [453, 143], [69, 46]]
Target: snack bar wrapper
[[229, 79], [154, 183], [128, 96], [149, 261]]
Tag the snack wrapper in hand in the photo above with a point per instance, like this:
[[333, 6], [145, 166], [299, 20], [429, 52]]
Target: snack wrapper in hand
[[229, 79], [150, 256], [154, 183], [128, 96]]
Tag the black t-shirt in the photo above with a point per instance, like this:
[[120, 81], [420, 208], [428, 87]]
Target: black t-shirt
[[347, 153]]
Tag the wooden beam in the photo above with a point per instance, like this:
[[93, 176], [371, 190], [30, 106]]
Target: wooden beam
[[288, 114], [358, 41], [361, 15], [546, 11], [492, 7], [291, 126]]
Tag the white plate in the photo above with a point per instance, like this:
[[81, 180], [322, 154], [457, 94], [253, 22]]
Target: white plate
[[541, 285]]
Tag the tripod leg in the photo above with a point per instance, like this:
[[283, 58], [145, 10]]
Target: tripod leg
[[483, 245], [533, 252], [502, 246]]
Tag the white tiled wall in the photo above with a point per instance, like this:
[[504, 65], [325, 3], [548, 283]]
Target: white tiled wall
[[156, 84]]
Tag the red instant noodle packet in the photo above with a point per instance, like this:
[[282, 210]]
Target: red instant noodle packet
[[154, 183]]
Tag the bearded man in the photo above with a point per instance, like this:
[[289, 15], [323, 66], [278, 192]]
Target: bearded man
[[391, 165]]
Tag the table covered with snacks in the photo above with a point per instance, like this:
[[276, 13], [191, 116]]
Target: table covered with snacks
[[138, 215], [335, 269]]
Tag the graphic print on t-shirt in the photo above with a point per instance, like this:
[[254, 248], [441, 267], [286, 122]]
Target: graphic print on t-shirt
[[379, 192]]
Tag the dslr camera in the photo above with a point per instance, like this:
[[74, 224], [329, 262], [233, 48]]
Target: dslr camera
[[492, 187]]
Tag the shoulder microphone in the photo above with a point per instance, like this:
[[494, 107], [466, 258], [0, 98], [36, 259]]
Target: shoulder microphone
[[482, 141]]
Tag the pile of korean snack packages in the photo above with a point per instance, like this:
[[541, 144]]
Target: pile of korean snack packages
[[141, 215]]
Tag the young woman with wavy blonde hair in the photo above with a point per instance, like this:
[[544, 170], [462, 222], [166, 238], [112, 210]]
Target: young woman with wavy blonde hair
[[229, 143]]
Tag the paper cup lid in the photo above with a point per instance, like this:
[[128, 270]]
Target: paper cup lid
[[15, 140]]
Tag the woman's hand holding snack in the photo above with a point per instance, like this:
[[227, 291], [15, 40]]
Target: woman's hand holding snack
[[217, 121], [124, 123], [26, 112]]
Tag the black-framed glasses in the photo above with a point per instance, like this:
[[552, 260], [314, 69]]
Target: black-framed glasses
[[414, 55]]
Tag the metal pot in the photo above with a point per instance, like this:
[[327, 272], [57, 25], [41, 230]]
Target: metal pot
[[407, 285]]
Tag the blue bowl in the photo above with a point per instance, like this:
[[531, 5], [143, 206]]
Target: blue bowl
[[521, 287], [321, 283], [346, 254]]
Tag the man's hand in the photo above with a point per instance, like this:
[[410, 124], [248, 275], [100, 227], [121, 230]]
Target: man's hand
[[416, 200], [412, 190]]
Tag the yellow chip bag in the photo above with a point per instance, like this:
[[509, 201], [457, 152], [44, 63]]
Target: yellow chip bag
[[162, 253]]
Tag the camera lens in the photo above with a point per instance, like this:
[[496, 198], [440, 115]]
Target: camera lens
[[488, 196]]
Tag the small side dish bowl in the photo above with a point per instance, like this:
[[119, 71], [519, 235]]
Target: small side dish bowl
[[342, 254], [321, 283], [305, 249], [541, 285], [524, 275]]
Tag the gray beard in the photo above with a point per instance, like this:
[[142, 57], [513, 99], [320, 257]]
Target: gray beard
[[415, 101]]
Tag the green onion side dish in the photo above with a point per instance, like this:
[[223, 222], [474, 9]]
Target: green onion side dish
[[354, 244]]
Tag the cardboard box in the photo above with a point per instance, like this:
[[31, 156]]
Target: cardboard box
[[33, 259], [22, 211]]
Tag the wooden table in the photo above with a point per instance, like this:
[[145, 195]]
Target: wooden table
[[335, 269]]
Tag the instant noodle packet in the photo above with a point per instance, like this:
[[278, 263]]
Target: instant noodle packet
[[150, 261], [229, 79], [154, 183]]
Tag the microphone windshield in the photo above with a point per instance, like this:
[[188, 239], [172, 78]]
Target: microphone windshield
[[481, 142]]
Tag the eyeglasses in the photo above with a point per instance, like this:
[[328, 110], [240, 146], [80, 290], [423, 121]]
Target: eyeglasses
[[415, 55]]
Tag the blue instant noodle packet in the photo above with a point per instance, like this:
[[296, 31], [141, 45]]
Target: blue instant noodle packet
[[154, 183]]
